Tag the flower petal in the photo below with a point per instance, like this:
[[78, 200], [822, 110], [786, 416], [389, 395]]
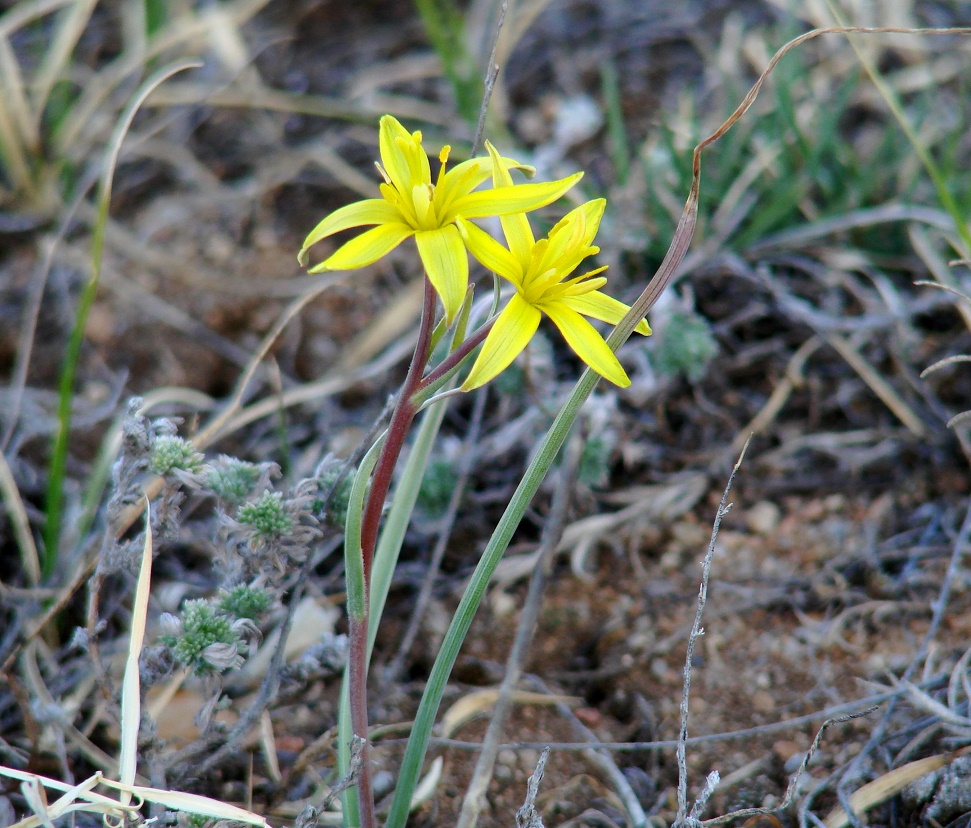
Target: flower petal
[[515, 227], [519, 198], [589, 345], [511, 333], [443, 253], [366, 248], [393, 159], [571, 236], [593, 212], [482, 168], [598, 305], [358, 214], [489, 253]]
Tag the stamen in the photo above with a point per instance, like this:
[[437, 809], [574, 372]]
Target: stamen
[[443, 160]]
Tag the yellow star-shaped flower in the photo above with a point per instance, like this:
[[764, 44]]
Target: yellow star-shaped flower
[[411, 204], [538, 270]]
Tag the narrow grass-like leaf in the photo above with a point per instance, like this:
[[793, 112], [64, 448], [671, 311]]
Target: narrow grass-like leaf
[[27, 11], [462, 619], [190, 803], [353, 561], [616, 131], [10, 494], [58, 53], [893, 104], [445, 27], [13, 155], [131, 702], [55, 484], [33, 785], [356, 609]]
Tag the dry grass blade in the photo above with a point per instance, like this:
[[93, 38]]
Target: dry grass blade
[[943, 363], [792, 380], [883, 389], [272, 100], [131, 712], [73, 136], [29, 556], [481, 703], [33, 786], [425, 788], [58, 53], [81, 797], [940, 270], [15, 96], [892, 782], [12, 149], [23, 13]]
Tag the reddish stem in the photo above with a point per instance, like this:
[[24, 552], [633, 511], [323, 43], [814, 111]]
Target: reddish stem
[[357, 685], [398, 428], [460, 353]]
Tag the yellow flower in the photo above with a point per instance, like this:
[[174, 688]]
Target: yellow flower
[[538, 269], [411, 204]]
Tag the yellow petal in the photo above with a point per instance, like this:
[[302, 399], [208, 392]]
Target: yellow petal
[[511, 333], [593, 212], [515, 227], [463, 178], [358, 214], [500, 175], [489, 253], [366, 248], [589, 345], [393, 159], [598, 305], [447, 265], [571, 236], [519, 198]]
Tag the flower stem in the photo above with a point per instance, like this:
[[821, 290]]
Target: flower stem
[[398, 427], [454, 359]]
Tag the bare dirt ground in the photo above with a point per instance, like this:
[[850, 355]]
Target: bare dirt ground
[[848, 509]]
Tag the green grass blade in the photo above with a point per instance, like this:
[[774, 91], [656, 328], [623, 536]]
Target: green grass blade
[[353, 557], [616, 131], [474, 593], [55, 484], [356, 597], [896, 109], [445, 27], [385, 559]]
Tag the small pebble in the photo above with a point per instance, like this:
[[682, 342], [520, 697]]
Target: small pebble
[[590, 716], [506, 757], [763, 518]]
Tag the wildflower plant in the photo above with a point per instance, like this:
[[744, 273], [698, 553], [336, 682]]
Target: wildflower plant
[[439, 213]]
